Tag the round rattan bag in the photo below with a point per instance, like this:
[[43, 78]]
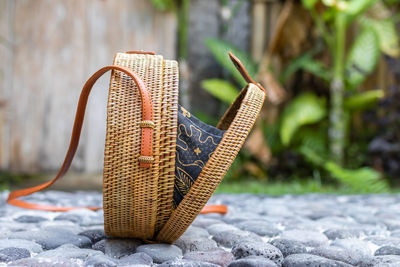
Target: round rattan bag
[[161, 164]]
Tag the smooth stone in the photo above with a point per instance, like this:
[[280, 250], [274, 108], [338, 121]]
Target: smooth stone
[[187, 263], [69, 251], [190, 243], [337, 253], [160, 252], [220, 227], [261, 228], [15, 227], [288, 247], [100, 261], [307, 238], [61, 226], [230, 238], [75, 218], [13, 254], [95, 235], [30, 219], [333, 234], [387, 250], [382, 261], [137, 258], [194, 231], [301, 260], [253, 261], [268, 251], [101, 246], [356, 247], [217, 256], [205, 222], [117, 248], [384, 241], [21, 243], [53, 239], [45, 262]]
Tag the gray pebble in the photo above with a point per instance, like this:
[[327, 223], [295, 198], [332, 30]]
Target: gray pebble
[[261, 228], [253, 261], [204, 222], [190, 243], [161, 252], [194, 231], [117, 248], [53, 239], [30, 219], [383, 240], [382, 261], [21, 243], [268, 251], [301, 260], [217, 256], [100, 261], [75, 218], [101, 246], [354, 246], [333, 234], [288, 247], [387, 250], [220, 227], [187, 263], [307, 238], [69, 251], [43, 262], [338, 253], [230, 238], [94, 235], [137, 258], [12, 254]]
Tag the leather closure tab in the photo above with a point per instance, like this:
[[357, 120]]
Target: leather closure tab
[[239, 66]]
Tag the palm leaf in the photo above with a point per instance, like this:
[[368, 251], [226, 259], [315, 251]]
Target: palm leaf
[[221, 89], [362, 57], [304, 109]]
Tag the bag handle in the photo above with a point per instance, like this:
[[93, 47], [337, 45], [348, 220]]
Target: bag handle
[[146, 149]]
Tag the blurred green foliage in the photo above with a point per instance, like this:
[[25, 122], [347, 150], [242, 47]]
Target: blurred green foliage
[[304, 123]]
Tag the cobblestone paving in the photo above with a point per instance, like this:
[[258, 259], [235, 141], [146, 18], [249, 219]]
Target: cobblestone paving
[[308, 230]]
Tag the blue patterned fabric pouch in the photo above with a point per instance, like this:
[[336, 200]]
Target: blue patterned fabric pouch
[[195, 143]]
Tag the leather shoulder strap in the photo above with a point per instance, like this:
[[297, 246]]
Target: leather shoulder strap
[[146, 145]]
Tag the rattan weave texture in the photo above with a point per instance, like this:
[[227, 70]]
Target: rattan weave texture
[[134, 197]]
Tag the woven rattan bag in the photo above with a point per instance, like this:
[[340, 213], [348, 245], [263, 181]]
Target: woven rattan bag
[[153, 186]]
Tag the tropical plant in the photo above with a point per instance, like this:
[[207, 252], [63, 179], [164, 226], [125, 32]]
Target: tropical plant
[[309, 124], [349, 69]]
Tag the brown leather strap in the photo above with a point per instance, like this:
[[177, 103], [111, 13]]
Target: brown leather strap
[[146, 145], [239, 66]]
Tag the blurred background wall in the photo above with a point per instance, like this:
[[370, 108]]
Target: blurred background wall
[[49, 48]]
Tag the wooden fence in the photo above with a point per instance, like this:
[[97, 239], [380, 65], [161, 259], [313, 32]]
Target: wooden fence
[[47, 51]]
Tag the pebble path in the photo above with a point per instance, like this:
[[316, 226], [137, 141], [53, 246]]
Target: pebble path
[[259, 230]]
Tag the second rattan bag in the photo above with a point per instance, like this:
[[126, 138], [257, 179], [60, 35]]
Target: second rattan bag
[[161, 164]]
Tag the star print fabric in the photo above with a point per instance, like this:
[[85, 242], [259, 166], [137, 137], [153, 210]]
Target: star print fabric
[[195, 143]]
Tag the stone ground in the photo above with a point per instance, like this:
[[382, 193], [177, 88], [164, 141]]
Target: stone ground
[[307, 230]]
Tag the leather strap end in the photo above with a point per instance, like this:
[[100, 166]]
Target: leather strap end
[[240, 67], [221, 209]]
